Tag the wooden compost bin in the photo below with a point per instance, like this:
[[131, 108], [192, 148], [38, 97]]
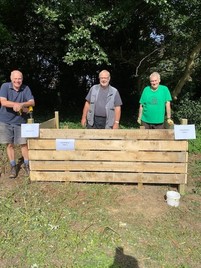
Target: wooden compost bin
[[116, 156]]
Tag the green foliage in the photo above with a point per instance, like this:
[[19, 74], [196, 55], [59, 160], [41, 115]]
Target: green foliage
[[157, 2], [48, 13], [57, 42], [190, 109], [81, 42]]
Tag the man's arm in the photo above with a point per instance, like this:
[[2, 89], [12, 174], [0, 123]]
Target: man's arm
[[168, 109], [117, 116], [84, 113], [17, 106], [168, 113], [140, 114]]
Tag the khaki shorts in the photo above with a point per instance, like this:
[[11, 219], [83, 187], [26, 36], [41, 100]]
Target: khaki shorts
[[10, 133]]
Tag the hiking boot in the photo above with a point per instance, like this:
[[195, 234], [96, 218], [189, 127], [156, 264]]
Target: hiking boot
[[26, 169], [13, 172]]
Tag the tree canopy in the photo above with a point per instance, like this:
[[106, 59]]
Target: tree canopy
[[60, 46]]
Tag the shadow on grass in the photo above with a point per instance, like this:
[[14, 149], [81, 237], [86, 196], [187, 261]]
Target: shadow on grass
[[123, 261]]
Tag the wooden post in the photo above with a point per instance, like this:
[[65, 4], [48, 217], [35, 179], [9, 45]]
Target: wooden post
[[184, 121], [56, 114], [140, 185], [181, 189]]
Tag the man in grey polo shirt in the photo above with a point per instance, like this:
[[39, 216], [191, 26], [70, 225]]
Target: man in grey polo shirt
[[102, 108], [15, 99]]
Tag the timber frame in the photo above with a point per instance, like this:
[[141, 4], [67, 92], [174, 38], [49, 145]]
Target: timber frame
[[139, 156]]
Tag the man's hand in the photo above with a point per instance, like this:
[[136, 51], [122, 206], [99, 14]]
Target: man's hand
[[83, 122], [116, 125], [139, 120], [17, 106], [170, 122]]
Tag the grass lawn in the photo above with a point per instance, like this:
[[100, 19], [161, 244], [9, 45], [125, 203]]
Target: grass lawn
[[92, 225]]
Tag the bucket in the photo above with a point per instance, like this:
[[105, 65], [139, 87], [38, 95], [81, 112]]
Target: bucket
[[173, 198]]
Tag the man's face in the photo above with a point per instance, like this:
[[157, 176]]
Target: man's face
[[16, 79], [154, 81], [104, 79]]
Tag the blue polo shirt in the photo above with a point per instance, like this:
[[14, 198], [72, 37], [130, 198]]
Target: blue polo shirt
[[7, 115]]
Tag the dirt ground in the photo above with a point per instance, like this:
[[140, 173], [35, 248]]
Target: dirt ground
[[130, 197]]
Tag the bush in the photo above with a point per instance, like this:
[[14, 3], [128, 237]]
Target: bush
[[190, 109]]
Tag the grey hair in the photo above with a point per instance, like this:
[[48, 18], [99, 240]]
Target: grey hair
[[155, 74], [104, 71]]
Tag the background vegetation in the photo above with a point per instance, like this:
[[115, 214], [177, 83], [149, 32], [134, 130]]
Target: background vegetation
[[60, 46]]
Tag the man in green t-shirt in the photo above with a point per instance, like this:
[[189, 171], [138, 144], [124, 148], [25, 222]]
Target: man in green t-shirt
[[155, 104]]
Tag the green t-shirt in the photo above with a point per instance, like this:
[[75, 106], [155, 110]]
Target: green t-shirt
[[153, 102]]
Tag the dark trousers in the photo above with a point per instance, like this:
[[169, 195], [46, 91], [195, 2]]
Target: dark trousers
[[153, 126], [99, 123]]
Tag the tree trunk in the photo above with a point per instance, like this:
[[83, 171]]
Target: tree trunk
[[188, 70]]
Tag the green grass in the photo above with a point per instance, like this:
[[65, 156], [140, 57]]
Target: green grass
[[85, 225], [195, 145], [70, 225]]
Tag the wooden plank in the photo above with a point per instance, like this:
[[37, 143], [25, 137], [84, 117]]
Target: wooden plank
[[108, 156], [51, 123], [108, 166], [108, 177], [125, 134], [118, 145], [48, 124]]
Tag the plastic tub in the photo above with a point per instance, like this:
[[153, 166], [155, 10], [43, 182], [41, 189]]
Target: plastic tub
[[173, 198]]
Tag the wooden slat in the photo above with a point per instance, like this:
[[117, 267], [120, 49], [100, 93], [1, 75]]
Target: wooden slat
[[108, 166], [111, 145], [51, 123], [125, 134], [108, 177], [108, 156], [48, 124]]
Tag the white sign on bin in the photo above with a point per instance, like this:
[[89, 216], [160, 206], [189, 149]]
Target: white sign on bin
[[65, 144], [184, 132], [30, 130]]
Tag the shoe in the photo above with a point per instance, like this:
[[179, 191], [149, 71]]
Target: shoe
[[13, 172], [27, 169]]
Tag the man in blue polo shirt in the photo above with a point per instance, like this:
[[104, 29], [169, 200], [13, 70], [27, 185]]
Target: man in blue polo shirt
[[15, 98]]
